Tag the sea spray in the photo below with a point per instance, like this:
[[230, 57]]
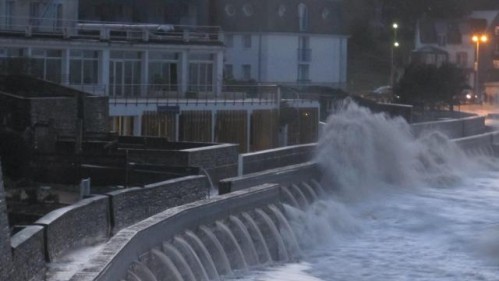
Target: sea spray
[[361, 152]]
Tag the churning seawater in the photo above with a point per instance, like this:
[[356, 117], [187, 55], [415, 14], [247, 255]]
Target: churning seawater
[[403, 208]]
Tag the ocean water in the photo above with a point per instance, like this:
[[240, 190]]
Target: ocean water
[[401, 208]]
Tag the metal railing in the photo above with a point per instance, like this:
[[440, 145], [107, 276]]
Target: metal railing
[[107, 31], [172, 93]]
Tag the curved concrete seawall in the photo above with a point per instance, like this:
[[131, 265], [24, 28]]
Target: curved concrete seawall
[[126, 246]]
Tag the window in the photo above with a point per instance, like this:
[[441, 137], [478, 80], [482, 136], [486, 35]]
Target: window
[[247, 41], [83, 67], [228, 71], [47, 64], [303, 17], [58, 22], [201, 74], [125, 73], [10, 13], [246, 72], [229, 40], [248, 10], [230, 10], [163, 73], [34, 14], [281, 11], [442, 40], [462, 59], [303, 73], [304, 51]]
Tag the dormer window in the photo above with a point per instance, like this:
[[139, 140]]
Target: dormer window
[[303, 17], [248, 10], [230, 10], [442, 40]]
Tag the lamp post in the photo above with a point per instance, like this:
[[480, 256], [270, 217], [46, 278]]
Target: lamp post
[[477, 38], [395, 44]]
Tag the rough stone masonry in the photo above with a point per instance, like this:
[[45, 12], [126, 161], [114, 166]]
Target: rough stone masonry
[[5, 253]]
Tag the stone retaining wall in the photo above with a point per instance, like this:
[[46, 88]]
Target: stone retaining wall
[[87, 222], [135, 204], [5, 257], [83, 223]]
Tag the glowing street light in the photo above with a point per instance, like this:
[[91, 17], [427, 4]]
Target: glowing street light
[[478, 38], [396, 44]]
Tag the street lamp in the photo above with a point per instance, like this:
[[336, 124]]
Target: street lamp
[[477, 38], [395, 44]]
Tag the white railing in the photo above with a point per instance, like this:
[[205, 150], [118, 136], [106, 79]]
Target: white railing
[[112, 31], [172, 93]]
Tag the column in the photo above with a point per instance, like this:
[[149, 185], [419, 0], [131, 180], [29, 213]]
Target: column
[[219, 72], [65, 67], [184, 72], [104, 63], [145, 74]]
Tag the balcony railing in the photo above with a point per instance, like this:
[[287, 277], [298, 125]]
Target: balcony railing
[[107, 31], [172, 94]]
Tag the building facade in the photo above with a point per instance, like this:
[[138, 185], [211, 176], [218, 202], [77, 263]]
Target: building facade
[[161, 63], [439, 41], [285, 42]]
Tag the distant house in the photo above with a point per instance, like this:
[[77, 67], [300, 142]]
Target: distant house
[[286, 42], [438, 41]]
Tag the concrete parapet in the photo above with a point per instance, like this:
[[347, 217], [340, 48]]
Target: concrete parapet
[[477, 142], [132, 205], [274, 158], [284, 176], [453, 128], [28, 252], [81, 224]]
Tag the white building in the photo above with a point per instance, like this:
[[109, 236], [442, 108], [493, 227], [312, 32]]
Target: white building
[[284, 42]]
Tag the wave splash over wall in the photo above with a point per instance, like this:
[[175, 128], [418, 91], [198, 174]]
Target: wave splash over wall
[[361, 151]]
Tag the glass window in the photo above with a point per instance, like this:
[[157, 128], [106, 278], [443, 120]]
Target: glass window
[[83, 67], [229, 40], [462, 59], [303, 72], [201, 77], [247, 41], [34, 13], [47, 64], [228, 71], [10, 13], [246, 71]]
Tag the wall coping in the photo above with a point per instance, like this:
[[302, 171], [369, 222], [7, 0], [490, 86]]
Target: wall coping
[[24, 235], [278, 149], [172, 181], [58, 213]]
